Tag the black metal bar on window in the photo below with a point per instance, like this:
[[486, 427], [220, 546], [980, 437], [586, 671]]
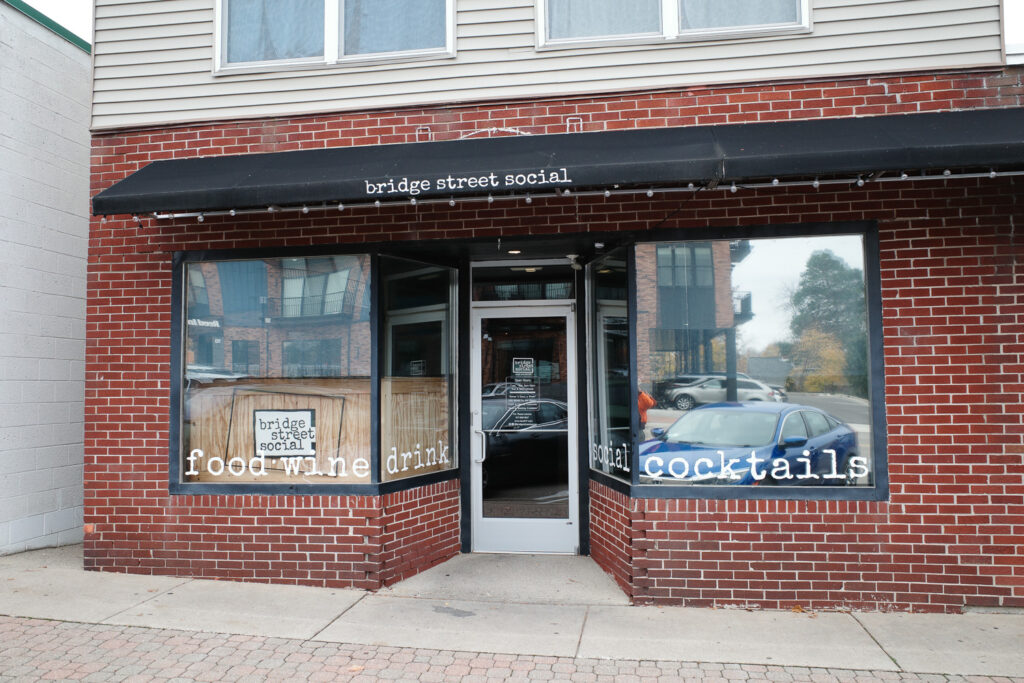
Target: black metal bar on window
[[376, 366], [634, 366]]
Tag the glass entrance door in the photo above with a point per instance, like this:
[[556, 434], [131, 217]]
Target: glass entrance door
[[524, 474]]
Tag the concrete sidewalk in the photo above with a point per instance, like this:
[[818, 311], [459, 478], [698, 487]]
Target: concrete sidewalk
[[516, 604]]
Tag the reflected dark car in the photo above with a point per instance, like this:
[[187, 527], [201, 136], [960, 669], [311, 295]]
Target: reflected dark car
[[525, 436], [754, 444]]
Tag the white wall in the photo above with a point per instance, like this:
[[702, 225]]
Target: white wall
[[154, 60], [44, 191]]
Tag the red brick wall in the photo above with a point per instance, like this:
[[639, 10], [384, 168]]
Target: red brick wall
[[116, 154], [337, 541], [953, 292], [951, 534], [312, 540], [611, 527], [420, 529]]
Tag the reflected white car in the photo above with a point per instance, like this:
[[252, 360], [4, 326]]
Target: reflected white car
[[713, 391]]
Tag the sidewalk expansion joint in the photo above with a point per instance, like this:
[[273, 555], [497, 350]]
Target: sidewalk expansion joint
[[583, 628], [155, 595], [335, 619], [899, 667]]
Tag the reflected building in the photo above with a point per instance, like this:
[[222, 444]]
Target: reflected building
[[297, 317], [687, 310]]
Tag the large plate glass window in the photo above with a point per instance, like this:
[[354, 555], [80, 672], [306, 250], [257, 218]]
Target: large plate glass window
[[756, 352], [568, 23], [418, 379], [265, 33], [276, 357]]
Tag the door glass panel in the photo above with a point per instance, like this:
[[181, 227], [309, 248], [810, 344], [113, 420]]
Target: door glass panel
[[525, 418]]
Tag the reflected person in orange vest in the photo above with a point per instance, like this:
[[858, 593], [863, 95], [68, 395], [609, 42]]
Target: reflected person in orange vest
[[644, 402]]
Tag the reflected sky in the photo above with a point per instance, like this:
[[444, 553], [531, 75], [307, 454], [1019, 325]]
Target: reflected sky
[[771, 273]]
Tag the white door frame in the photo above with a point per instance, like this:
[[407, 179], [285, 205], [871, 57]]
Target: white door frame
[[521, 535]]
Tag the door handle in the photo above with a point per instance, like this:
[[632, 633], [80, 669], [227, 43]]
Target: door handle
[[483, 446]]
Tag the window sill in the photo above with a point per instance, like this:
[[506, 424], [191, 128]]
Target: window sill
[[879, 492], [343, 63], [279, 489], [660, 40]]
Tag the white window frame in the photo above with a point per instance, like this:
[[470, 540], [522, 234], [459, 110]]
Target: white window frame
[[333, 45], [669, 32]]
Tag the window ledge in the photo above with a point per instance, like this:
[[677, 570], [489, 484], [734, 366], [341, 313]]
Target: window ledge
[[879, 492], [282, 489], [354, 61], [659, 40]]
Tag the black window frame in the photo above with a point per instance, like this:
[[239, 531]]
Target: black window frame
[[868, 231], [180, 262]]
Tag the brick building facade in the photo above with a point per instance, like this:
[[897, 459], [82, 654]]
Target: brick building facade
[[943, 535]]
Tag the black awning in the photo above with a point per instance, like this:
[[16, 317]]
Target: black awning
[[656, 157]]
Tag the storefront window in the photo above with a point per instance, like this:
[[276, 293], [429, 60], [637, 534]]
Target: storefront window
[[756, 352], [416, 387], [276, 385], [610, 449]]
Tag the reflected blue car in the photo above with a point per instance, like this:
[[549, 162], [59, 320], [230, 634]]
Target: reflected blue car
[[755, 444]]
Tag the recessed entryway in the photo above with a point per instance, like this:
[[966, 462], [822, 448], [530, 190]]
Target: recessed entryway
[[517, 578]]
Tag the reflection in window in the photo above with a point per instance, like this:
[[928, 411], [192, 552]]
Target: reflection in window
[[777, 327], [198, 300], [312, 357], [245, 357], [277, 371], [270, 30], [257, 32], [596, 18], [611, 407], [416, 389], [718, 14], [315, 286], [374, 26]]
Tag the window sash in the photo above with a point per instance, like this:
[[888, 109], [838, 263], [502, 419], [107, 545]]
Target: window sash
[[334, 51], [674, 26]]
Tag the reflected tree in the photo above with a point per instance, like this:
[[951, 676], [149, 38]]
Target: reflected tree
[[829, 300], [819, 362]]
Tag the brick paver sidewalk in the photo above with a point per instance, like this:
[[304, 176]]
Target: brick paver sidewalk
[[33, 649]]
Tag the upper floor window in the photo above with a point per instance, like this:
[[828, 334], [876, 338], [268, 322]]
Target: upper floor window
[[567, 23], [260, 33]]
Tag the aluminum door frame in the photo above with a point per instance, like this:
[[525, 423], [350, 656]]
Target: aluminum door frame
[[523, 535]]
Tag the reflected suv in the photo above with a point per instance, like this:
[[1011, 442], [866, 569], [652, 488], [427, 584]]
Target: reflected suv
[[712, 390], [663, 387]]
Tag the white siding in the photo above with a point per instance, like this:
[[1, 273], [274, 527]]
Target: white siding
[[44, 200], [154, 60]]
